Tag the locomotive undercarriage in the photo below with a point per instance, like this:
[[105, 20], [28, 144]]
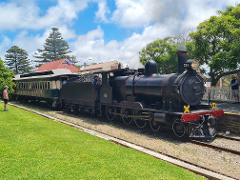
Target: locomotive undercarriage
[[204, 128], [201, 129]]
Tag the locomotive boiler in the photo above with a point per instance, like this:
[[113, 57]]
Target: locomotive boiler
[[168, 91]]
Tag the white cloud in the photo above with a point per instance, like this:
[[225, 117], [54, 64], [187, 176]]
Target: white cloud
[[20, 15], [4, 45], [130, 13], [182, 14], [103, 11], [92, 46]]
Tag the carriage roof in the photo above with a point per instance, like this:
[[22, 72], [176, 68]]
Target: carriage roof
[[45, 75]]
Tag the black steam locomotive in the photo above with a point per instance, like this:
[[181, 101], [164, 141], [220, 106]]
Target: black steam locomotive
[[145, 97]]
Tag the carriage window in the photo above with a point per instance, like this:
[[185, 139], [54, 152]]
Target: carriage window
[[48, 85]]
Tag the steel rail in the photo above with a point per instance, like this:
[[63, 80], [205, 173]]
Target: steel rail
[[215, 147], [228, 137]]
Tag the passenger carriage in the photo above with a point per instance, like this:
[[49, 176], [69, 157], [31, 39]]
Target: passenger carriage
[[42, 86]]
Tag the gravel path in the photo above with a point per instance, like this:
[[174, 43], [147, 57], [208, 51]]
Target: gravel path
[[219, 161]]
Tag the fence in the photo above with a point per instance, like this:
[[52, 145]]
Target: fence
[[219, 94]]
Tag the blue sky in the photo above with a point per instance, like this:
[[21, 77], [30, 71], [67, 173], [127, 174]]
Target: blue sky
[[101, 30]]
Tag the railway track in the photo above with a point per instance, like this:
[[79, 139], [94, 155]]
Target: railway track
[[216, 147], [190, 166], [228, 137]]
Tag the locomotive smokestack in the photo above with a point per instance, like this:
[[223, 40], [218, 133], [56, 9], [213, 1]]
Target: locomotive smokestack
[[182, 58]]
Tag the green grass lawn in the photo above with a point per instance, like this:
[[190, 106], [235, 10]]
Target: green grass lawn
[[34, 147]]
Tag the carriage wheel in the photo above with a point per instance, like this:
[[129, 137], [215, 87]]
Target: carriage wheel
[[154, 125], [109, 113], [140, 123], [125, 117]]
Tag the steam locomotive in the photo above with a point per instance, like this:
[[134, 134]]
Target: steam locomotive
[[141, 97], [146, 97]]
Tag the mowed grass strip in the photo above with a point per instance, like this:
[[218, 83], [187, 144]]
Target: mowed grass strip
[[34, 147]]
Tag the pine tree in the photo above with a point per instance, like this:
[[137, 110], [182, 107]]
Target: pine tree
[[17, 60], [55, 47]]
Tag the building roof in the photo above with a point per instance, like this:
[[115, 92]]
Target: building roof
[[58, 64], [106, 66]]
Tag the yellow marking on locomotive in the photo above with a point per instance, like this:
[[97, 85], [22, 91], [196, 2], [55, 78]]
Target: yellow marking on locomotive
[[186, 109], [213, 105]]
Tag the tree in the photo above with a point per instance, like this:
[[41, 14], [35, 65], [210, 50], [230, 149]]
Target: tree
[[55, 47], [6, 78], [73, 59], [216, 43], [162, 51], [17, 60]]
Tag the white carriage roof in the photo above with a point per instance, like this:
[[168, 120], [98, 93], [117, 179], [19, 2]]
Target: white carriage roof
[[44, 74]]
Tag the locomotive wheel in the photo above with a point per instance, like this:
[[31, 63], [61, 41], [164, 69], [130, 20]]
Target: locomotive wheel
[[140, 123], [155, 126], [125, 117], [109, 113], [178, 128]]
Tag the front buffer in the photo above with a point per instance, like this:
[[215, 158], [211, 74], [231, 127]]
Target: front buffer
[[199, 124]]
